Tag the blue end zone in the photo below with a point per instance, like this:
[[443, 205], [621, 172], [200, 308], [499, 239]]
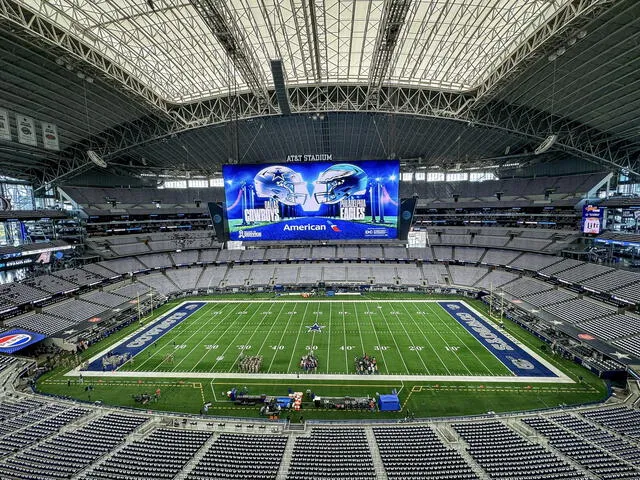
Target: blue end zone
[[514, 358], [146, 337]]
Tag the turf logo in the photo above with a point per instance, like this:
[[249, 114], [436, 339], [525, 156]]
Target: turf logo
[[491, 338], [521, 363], [314, 328], [15, 340], [453, 306], [148, 336]]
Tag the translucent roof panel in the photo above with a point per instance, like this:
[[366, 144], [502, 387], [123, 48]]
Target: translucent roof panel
[[445, 44]]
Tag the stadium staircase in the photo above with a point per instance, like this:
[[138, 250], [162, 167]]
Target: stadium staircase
[[193, 461], [200, 276], [480, 279], [452, 439], [286, 457], [178, 289], [381, 474]]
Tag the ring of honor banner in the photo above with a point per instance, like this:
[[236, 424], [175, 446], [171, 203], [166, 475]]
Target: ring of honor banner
[[26, 130], [5, 129], [50, 136], [313, 201]]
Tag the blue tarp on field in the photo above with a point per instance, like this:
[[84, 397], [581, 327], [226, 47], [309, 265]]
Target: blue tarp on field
[[521, 363]]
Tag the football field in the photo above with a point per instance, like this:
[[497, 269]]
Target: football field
[[407, 338]]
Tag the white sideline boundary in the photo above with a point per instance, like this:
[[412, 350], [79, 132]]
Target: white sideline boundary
[[321, 376], [561, 377]]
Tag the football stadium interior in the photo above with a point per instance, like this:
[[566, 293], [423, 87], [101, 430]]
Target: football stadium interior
[[319, 239]]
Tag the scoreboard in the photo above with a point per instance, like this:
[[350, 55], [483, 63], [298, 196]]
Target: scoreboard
[[312, 200]]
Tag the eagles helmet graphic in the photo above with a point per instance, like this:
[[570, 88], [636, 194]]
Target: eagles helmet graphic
[[282, 184], [339, 182]]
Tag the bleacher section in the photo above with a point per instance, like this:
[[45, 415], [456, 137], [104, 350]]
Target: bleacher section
[[578, 310], [537, 240], [466, 276], [162, 454], [332, 453], [238, 456], [583, 452], [48, 438], [416, 453], [505, 455], [70, 452], [567, 188]]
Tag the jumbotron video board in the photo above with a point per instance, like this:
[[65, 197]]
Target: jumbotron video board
[[312, 200]]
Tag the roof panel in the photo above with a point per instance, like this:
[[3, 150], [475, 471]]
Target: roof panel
[[444, 44]]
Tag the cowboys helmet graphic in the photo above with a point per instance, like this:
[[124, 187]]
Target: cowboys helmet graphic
[[282, 184], [340, 182], [521, 363]]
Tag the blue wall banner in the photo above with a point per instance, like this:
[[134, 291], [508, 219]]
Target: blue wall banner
[[146, 337], [17, 339], [520, 362]]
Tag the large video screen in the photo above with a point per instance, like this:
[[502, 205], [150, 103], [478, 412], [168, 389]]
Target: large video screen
[[312, 201], [592, 218]]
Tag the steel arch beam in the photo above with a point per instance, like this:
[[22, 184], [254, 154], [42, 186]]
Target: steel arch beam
[[534, 124]]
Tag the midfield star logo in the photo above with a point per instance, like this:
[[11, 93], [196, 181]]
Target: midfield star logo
[[314, 328]]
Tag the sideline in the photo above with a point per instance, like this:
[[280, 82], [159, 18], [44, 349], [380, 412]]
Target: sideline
[[321, 376]]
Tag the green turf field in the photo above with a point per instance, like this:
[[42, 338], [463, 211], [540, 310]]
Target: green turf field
[[406, 339], [420, 338]]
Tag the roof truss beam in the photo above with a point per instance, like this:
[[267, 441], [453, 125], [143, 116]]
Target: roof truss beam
[[550, 36], [573, 136], [38, 26], [219, 18], [394, 16]]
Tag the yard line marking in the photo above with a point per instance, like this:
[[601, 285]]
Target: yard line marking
[[269, 332], [204, 339], [344, 334], [234, 338], [158, 351], [302, 322], [471, 350], [359, 332], [375, 332], [248, 341], [384, 317], [429, 342], [284, 331], [410, 339], [204, 324], [329, 340]]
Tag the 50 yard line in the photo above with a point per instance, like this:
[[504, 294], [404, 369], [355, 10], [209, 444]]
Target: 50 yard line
[[297, 337]]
